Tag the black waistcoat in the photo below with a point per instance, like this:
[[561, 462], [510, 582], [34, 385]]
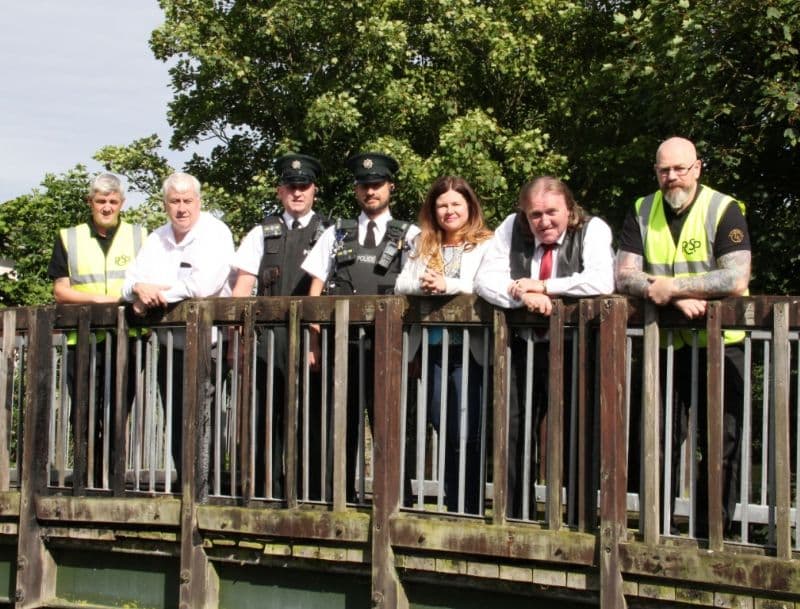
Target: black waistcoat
[[569, 256]]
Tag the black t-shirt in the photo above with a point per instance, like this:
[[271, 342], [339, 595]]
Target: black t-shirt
[[59, 265], [732, 233]]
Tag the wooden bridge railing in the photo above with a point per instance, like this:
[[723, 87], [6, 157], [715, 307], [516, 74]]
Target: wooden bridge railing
[[191, 479]]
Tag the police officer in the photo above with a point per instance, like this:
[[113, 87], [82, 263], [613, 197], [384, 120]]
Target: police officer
[[680, 246], [270, 255], [268, 263], [87, 266], [361, 256]]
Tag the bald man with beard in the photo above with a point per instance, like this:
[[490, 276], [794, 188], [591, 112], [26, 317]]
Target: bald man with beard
[[681, 246]]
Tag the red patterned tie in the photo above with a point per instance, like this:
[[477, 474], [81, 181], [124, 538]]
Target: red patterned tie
[[546, 265]]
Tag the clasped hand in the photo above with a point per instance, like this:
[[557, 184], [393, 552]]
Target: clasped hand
[[433, 282]]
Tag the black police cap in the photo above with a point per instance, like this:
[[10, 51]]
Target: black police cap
[[297, 169], [371, 167]]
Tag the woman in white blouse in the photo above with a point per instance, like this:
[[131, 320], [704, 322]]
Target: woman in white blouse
[[446, 257]]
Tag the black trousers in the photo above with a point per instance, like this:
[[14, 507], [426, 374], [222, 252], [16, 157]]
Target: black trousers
[[360, 397], [733, 383], [277, 463], [101, 378], [516, 422]]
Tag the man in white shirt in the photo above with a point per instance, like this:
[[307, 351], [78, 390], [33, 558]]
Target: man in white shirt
[[550, 247], [188, 257]]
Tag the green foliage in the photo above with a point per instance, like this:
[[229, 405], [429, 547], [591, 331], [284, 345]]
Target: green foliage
[[498, 92], [28, 228]]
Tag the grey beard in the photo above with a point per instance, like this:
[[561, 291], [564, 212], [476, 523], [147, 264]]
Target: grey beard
[[677, 199]]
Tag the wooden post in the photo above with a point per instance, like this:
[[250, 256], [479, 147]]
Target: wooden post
[[387, 590], [500, 433], [290, 407], [247, 436], [80, 404], [340, 363], [585, 492], [613, 466], [555, 416], [714, 414], [35, 566], [122, 408], [6, 391], [649, 505], [783, 459], [199, 584]]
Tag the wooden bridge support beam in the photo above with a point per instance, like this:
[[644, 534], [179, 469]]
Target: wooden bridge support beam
[[199, 583], [35, 566], [613, 465], [387, 590]]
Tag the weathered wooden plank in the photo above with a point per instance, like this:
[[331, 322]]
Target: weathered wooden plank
[[199, 583], [120, 414], [291, 404], [9, 503], [340, 431], [783, 459], [6, 391], [651, 428], [35, 567], [80, 404], [714, 410], [586, 508], [555, 417], [715, 569], [387, 591], [343, 526], [500, 418], [155, 511], [613, 464], [502, 541], [246, 406]]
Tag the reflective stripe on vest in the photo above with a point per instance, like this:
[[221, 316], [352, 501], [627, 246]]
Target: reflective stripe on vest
[[92, 271], [695, 254]]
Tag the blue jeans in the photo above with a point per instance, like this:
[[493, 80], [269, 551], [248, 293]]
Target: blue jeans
[[472, 473]]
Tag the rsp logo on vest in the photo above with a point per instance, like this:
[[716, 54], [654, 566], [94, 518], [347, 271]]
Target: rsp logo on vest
[[690, 247]]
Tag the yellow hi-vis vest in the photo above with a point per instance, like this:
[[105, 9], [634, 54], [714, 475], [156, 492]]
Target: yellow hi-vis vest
[[695, 252], [92, 271]]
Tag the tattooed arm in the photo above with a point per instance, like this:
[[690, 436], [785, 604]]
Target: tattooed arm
[[730, 279], [628, 274]]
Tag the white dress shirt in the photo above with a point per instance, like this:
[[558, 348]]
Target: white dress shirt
[[408, 282], [197, 267], [494, 276], [248, 257], [318, 263]]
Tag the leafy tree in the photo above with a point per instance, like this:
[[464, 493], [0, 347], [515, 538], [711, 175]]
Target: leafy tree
[[28, 228], [498, 92], [445, 86]]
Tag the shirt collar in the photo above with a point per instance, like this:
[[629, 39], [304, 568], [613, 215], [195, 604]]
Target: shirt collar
[[380, 222], [109, 233], [304, 220]]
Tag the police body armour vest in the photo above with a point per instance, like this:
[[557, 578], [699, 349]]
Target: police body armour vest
[[367, 271], [279, 273]]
